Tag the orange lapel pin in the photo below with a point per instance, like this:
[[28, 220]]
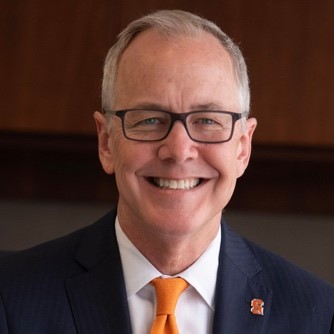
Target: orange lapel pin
[[257, 306]]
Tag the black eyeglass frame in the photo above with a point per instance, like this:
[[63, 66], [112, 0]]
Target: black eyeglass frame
[[182, 117]]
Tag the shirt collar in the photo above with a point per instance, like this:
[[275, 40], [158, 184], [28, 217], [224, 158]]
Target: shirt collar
[[138, 271]]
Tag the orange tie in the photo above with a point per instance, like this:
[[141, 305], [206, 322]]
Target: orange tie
[[168, 291]]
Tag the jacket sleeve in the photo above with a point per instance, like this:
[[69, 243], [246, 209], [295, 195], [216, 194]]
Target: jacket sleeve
[[3, 320]]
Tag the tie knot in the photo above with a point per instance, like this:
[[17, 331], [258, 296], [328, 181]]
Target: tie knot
[[168, 291]]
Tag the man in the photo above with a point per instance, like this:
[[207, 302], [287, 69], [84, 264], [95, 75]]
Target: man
[[176, 133]]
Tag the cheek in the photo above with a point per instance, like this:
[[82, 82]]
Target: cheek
[[125, 166], [117, 143], [228, 175], [223, 186], [129, 156], [224, 161]]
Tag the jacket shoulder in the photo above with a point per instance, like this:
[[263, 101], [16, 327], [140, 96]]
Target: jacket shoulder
[[289, 282], [53, 258]]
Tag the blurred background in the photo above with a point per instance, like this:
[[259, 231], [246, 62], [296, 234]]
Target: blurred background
[[51, 60]]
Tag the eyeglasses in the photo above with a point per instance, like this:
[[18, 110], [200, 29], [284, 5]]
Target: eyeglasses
[[204, 126]]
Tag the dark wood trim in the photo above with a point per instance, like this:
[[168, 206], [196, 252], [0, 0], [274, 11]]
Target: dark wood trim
[[288, 179], [66, 167], [59, 167]]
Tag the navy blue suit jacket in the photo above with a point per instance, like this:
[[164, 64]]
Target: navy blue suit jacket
[[75, 285]]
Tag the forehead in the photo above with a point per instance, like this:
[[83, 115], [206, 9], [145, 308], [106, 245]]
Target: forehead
[[184, 64], [150, 44]]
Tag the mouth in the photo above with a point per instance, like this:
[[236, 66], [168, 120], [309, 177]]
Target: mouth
[[184, 184]]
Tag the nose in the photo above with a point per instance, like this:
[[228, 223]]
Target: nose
[[178, 146]]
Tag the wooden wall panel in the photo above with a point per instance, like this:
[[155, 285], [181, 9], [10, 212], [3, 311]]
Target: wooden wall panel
[[52, 55], [52, 59], [290, 47]]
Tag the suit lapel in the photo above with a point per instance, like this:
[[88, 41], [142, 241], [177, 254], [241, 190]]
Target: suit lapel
[[98, 295], [237, 285]]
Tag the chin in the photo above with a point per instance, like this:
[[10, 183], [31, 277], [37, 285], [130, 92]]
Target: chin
[[180, 224]]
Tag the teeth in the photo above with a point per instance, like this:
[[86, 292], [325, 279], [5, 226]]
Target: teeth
[[176, 184]]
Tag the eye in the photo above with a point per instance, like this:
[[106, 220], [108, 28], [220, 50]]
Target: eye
[[207, 121], [210, 121], [144, 119], [150, 121], [153, 122]]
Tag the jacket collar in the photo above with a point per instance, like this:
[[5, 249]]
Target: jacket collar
[[238, 283], [97, 295]]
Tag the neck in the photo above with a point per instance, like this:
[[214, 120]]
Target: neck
[[171, 255], [172, 259]]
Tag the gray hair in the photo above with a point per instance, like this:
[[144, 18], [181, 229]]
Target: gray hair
[[172, 23]]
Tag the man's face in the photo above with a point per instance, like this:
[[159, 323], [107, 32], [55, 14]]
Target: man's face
[[178, 75]]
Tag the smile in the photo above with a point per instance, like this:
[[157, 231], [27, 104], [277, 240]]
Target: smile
[[176, 184]]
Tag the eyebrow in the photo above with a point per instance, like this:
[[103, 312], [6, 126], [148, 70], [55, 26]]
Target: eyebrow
[[155, 106], [208, 106]]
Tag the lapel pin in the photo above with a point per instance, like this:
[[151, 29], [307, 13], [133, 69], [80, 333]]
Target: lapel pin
[[257, 307]]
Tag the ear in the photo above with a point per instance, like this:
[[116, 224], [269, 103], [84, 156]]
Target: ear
[[105, 154], [245, 146]]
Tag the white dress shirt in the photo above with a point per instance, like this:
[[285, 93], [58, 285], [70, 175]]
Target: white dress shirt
[[195, 308]]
